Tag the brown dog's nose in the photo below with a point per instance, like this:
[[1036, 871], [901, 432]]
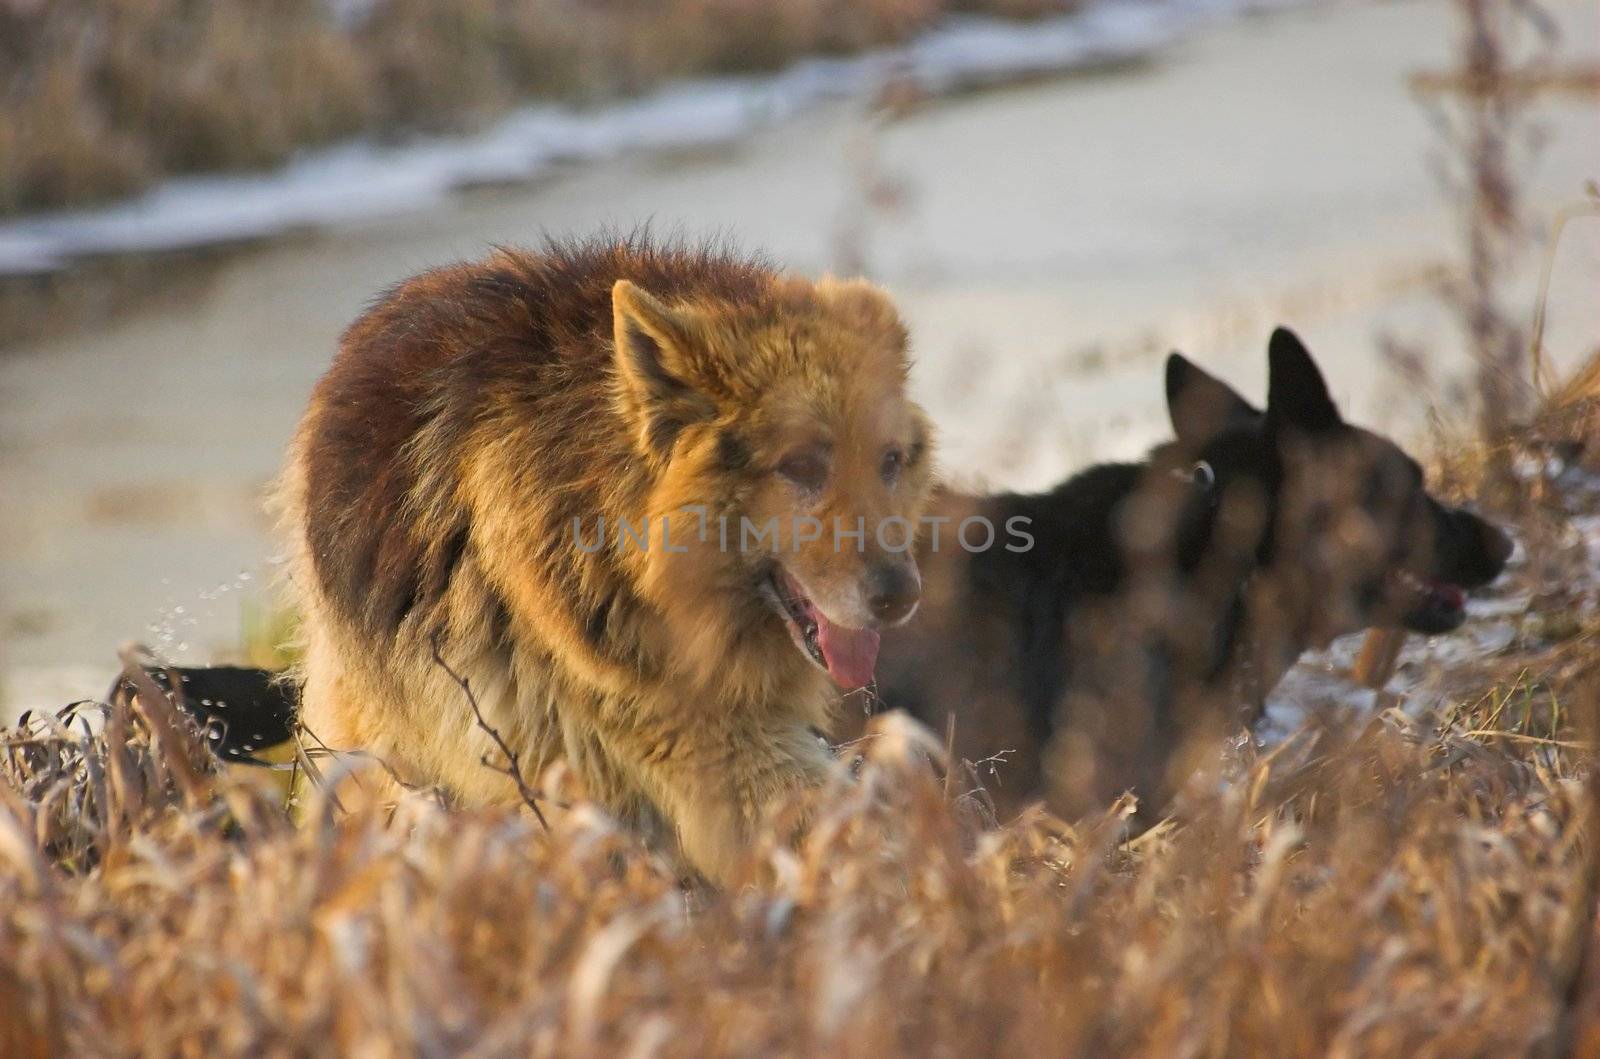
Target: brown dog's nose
[[893, 589]]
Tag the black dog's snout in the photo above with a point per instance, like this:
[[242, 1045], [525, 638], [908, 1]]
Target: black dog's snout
[[1477, 549], [1498, 544], [892, 591]]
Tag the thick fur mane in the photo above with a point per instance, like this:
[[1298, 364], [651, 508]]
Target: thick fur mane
[[505, 332], [474, 348]]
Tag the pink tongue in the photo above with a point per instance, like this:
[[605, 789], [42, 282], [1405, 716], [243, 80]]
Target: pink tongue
[[851, 655]]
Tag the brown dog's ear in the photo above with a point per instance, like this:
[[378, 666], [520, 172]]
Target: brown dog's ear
[[655, 350], [1200, 405]]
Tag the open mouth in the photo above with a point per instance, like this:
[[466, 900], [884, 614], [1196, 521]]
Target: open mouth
[[849, 655], [1427, 605]]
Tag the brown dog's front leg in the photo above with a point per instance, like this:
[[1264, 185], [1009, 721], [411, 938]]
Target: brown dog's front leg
[[719, 786]]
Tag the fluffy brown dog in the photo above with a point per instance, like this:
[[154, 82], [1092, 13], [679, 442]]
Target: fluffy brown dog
[[607, 483]]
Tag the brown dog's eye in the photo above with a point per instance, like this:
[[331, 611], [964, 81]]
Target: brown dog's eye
[[808, 470], [893, 462]]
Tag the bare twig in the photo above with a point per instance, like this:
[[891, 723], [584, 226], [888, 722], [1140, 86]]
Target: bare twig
[[1489, 90], [1586, 207], [303, 762], [513, 768], [1519, 737]]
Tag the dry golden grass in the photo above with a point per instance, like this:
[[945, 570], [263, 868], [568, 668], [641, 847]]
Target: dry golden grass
[[1403, 885], [1406, 888]]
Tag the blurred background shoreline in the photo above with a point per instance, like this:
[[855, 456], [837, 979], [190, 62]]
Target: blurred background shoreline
[[758, 64], [1048, 242]]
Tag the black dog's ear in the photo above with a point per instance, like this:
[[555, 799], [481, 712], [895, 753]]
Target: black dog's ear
[[1201, 405], [1297, 395]]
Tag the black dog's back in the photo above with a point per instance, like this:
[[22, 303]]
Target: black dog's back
[[1034, 591], [1001, 639]]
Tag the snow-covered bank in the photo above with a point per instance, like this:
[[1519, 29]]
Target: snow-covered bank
[[360, 180]]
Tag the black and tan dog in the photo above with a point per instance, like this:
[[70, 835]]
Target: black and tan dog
[[1156, 597]]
